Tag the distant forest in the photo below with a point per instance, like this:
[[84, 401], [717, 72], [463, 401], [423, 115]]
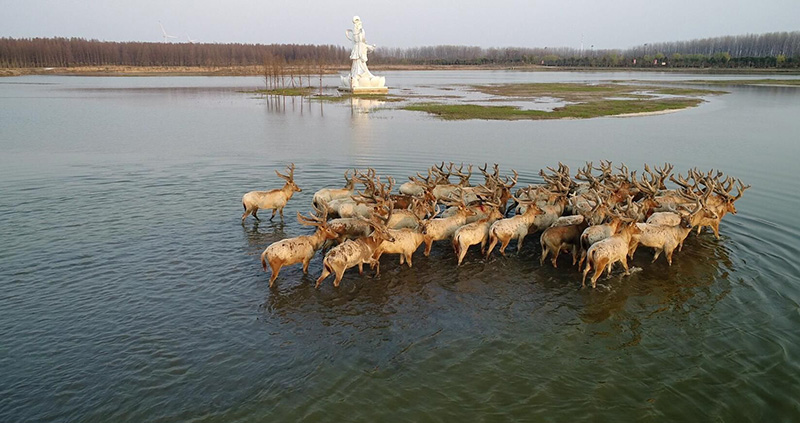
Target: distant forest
[[770, 50]]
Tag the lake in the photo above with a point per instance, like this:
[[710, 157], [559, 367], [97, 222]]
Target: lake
[[131, 291]]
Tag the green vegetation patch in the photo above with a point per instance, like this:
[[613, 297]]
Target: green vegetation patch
[[566, 91], [291, 92], [572, 111], [574, 92]]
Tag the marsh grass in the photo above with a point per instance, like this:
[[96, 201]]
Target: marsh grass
[[572, 111], [588, 101], [290, 92]]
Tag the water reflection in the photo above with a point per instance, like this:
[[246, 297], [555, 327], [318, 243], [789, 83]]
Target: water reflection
[[624, 307], [282, 104], [361, 107], [271, 231], [724, 315]]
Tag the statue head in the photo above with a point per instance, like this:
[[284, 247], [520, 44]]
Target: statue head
[[356, 19]]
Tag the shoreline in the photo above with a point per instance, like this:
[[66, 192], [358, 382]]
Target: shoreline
[[257, 70], [659, 112]]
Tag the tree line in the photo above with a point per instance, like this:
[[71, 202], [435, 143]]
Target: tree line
[[71, 52], [769, 50]]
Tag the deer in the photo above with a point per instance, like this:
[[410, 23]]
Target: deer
[[416, 186], [666, 238], [724, 204], [356, 252], [476, 232], [603, 254], [404, 242], [298, 249], [502, 189], [325, 195], [275, 199], [558, 238], [444, 189], [356, 205], [411, 217], [437, 229], [504, 230], [596, 233]]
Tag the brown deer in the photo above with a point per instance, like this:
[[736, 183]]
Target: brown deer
[[505, 230], [476, 232], [325, 195], [556, 239], [355, 252], [298, 249], [603, 254], [275, 199]]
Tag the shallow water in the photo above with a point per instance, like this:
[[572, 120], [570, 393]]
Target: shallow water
[[132, 292]]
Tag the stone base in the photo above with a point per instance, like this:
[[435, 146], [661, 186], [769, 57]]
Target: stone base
[[366, 90]]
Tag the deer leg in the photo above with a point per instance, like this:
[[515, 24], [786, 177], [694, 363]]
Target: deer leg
[[461, 254], [596, 276], [491, 246], [657, 253], [503, 244], [585, 272], [428, 245], [325, 273], [273, 214], [276, 268], [338, 280], [519, 243]]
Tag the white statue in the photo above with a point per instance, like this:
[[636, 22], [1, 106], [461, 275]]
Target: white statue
[[360, 78]]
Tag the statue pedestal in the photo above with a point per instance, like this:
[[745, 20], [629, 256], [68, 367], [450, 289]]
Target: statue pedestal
[[364, 85], [370, 90]]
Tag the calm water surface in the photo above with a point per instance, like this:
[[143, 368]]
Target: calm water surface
[[132, 292]]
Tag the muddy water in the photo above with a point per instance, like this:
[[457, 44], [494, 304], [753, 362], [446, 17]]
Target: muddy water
[[132, 292]]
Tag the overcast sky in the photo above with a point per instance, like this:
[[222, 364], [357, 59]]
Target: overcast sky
[[402, 23]]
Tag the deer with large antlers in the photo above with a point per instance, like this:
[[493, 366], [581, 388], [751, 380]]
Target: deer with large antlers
[[603, 254], [275, 199], [325, 195], [668, 237], [441, 228], [298, 249], [504, 230], [356, 252], [556, 239], [403, 241], [476, 232]]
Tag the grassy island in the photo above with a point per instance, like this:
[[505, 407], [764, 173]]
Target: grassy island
[[586, 101]]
